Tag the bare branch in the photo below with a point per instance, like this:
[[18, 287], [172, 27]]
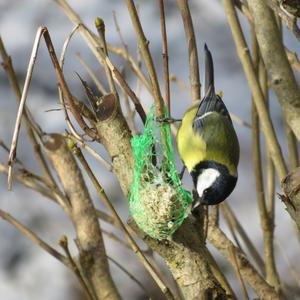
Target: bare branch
[[290, 22], [279, 70], [95, 46], [101, 32], [291, 197], [34, 238], [258, 96], [89, 238], [8, 67], [218, 239], [232, 219], [13, 148], [192, 49], [186, 257], [63, 242], [133, 278], [91, 73], [165, 53], [238, 273], [144, 48]]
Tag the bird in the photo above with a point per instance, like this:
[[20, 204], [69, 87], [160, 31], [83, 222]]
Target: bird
[[208, 144]]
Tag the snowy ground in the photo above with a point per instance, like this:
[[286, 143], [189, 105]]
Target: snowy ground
[[26, 272]]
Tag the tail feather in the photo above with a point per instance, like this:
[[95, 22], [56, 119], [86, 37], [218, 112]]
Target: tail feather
[[209, 72], [210, 102]]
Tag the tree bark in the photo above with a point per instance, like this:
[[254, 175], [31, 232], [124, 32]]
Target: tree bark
[[185, 255], [92, 255], [291, 187], [279, 69]]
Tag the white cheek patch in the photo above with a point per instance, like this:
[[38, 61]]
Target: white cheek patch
[[206, 179]]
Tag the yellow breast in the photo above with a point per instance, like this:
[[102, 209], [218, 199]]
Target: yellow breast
[[218, 141]]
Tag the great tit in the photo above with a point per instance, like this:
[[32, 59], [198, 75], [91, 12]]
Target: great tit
[[208, 145]]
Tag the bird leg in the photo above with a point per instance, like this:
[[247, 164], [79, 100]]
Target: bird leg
[[167, 120]]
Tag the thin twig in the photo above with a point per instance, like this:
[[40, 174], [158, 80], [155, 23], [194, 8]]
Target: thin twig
[[192, 49], [133, 278], [165, 53], [268, 212], [238, 274], [63, 242], [244, 9], [100, 26], [230, 216], [60, 93], [116, 239], [219, 240], [144, 48], [135, 66], [238, 120], [6, 148], [65, 46], [8, 67], [82, 144], [29, 183], [34, 238], [92, 74], [63, 85], [130, 112], [106, 218], [292, 146], [288, 262], [95, 46], [232, 229], [13, 148], [257, 163]]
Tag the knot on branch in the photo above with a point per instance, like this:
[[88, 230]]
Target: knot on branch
[[53, 141], [291, 198]]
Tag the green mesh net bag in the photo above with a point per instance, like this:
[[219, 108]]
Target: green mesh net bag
[[158, 202]]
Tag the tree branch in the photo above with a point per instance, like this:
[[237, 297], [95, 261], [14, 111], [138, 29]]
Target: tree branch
[[291, 198], [219, 240], [92, 254], [276, 62], [186, 258], [192, 48], [258, 96]]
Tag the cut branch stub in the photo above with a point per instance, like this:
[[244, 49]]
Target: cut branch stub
[[114, 134], [106, 107]]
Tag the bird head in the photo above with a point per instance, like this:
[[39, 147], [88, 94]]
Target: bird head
[[213, 183]]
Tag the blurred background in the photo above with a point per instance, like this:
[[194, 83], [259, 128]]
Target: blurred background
[[26, 271]]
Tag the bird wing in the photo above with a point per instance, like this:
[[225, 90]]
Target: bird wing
[[211, 103]]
